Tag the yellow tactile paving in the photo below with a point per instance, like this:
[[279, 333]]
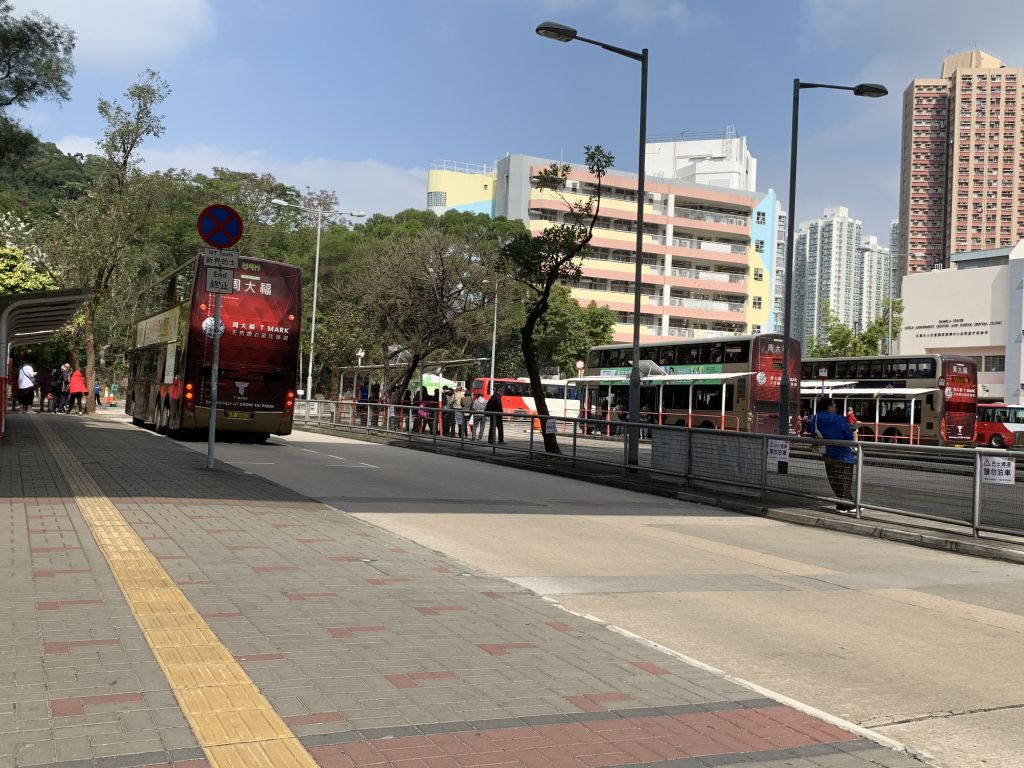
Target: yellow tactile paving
[[232, 721]]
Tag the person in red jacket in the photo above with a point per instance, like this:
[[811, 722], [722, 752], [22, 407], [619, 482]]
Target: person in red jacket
[[77, 389]]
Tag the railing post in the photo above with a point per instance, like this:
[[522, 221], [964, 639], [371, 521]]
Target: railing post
[[531, 436], [976, 501], [689, 456], [575, 432], [764, 468], [858, 488]]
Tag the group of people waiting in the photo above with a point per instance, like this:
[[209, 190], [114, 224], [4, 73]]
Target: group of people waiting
[[448, 413], [60, 390]]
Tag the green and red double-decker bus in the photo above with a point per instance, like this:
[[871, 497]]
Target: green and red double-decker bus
[[170, 363]]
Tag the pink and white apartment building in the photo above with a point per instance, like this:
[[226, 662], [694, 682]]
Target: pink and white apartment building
[[713, 256]]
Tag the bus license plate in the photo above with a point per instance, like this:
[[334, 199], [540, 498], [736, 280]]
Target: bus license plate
[[240, 414]]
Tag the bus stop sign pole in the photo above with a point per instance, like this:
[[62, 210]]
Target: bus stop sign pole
[[219, 227]]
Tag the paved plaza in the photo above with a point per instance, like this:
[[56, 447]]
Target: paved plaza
[[159, 613]]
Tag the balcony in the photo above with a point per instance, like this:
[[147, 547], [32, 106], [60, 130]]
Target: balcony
[[700, 274], [717, 218], [702, 245], [704, 304]]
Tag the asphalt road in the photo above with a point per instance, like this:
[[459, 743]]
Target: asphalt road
[[921, 645]]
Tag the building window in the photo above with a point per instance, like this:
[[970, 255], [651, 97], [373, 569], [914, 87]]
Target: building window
[[755, 329], [995, 363], [758, 273], [437, 199], [757, 302], [759, 246], [760, 218]]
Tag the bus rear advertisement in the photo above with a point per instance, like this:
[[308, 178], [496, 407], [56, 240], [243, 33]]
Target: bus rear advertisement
[[171, 363]]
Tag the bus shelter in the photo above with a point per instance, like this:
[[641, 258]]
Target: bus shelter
[[660, 381], [30, 318], [878, 395]]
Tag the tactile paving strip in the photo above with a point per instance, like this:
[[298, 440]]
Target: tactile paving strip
[[232, 721]]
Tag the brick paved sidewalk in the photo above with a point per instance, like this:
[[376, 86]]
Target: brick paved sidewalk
[[372, 650]]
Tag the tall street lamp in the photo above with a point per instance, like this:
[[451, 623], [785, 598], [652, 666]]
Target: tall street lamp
[[562, 33], [494, 333], [320, 213], [870, 90]]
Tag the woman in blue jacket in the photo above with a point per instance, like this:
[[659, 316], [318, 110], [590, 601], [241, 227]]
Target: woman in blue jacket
[[839, 459]]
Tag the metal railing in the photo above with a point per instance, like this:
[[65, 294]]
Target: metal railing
[[973, 490]]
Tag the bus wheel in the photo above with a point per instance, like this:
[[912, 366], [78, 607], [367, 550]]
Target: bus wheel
[[996, 441], [891, 436], [707, 425]]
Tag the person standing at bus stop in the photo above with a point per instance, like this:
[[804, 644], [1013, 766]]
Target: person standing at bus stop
[[496, 417], [839, 459], [78, 388]]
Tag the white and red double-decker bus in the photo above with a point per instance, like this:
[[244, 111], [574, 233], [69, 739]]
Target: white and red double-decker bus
[[561, 397], [909, 399], [170, 369], [725, 382]]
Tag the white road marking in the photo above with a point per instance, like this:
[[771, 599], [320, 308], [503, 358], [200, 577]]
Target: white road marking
[[265, 463], [353, 466], [307, 450], [339, 458]]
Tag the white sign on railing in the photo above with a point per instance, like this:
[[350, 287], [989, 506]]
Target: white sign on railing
[[778, 450], [997, 470]]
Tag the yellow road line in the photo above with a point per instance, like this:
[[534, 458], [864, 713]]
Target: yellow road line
[[232, 721]]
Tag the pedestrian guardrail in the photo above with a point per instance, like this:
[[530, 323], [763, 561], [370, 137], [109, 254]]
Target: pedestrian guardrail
[[978, 490]]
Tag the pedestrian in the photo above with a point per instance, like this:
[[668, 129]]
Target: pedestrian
[[65, 388], [851, 417], [53, 397], [464, 404], [495, 417], [77, 387], [26, 386], [44, 389], [479, 417], [97, 390], [839, 459], [447, 412]]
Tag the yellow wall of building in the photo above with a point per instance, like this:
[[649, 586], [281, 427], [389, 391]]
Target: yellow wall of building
[[463, 191], [762, 288]]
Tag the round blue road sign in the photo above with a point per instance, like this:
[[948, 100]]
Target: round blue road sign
[[220, 226]]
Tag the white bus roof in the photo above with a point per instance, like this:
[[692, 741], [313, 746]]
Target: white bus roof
[[884, 391], [665, 378], [818, 384]]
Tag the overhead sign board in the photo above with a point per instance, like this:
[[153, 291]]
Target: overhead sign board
[[217, 257], [220, 226], [220, 280]]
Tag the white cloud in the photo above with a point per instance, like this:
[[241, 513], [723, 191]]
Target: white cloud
[[365, 185], [73, 145], [118, 34]]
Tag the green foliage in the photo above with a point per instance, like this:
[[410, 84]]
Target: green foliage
[[567, 331], [842, 341], [35, 63], [17, 275]]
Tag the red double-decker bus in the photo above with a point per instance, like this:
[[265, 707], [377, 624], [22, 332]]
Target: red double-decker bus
[[170, 370]]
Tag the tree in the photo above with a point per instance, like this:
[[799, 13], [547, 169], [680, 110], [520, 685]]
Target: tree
[[419, 294], [35, 63], [843, 341], [552, 256], [568, 330], [17, 275], [97, 240]]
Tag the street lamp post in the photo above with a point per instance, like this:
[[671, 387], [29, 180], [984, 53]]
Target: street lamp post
[[562, 33], [320, 213], [494, 335], [870, 90]]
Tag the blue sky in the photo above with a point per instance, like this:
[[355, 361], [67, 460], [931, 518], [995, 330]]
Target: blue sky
[[360, 97]]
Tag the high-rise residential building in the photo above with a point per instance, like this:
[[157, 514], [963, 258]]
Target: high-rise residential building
[[877, 279], [710, 256], [962, 168], [827, 268]]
